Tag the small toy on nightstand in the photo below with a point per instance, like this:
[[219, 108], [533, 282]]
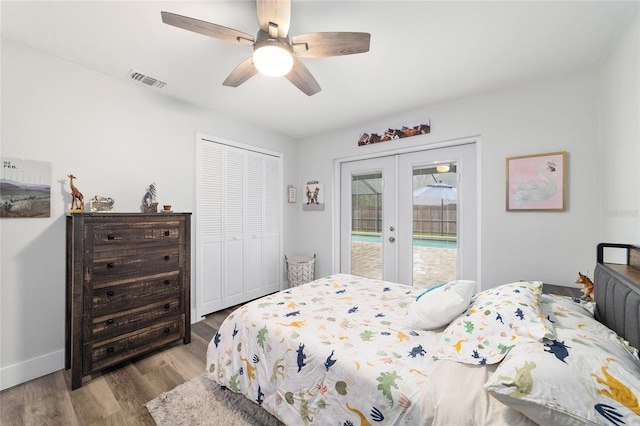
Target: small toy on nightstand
[[587, 290]]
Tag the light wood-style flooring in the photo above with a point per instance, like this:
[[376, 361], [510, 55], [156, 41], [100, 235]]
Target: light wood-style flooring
[[115, 396]]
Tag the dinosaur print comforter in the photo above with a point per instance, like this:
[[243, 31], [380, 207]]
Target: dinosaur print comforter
[[333, 351]]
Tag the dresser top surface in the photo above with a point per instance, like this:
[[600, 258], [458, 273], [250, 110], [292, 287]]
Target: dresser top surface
[[122, 214]]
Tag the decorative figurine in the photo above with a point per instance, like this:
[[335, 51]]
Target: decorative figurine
[[77, 200], [149, 204], [588, 287], [102, 204]]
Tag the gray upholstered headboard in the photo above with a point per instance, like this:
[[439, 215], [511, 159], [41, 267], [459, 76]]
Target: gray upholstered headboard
[[617, 300]]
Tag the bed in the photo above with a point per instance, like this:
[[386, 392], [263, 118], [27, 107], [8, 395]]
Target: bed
[[347, 350]]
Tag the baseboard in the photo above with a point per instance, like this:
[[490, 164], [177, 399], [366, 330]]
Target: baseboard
[[22, 372]]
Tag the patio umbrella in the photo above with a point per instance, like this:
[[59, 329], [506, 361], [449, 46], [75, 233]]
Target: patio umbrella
[[438, 191]]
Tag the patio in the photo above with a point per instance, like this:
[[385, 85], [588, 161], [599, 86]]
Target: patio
[[431, 265]]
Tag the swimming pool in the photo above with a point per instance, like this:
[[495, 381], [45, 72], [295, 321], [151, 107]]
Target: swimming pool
[[418, 242]]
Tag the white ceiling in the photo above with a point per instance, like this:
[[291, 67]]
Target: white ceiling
[[422, 52]]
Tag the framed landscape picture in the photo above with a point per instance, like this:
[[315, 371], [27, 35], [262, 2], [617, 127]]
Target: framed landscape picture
[[537, 182], [25, 188]]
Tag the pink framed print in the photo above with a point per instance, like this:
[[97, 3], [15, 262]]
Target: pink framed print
[[537, 182]]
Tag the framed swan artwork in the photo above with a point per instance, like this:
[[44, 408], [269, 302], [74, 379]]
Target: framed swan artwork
[[537, 182]]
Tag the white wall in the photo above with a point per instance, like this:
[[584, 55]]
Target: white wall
[[559, 114], [619, 147], [116, 137]]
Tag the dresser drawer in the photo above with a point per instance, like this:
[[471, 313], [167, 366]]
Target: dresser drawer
[[114, 235], [110, 266], [104, 353], [126, 294], [127, 320]]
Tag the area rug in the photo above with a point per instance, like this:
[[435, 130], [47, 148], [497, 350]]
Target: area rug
[[202, 401]]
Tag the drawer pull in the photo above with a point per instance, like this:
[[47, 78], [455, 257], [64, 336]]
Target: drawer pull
[[167, 329], [167, 306], [167, 233], [109, 321], [167, 282], [111, 237], [111, 265], [110, 293], [110, 349], [167, 257]]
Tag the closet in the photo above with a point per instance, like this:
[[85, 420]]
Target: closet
[[238, 223]]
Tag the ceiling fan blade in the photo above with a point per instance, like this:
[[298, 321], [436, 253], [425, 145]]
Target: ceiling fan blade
[[207, 28], [301, 77], [277, 12], [317, 45], [241, 73]]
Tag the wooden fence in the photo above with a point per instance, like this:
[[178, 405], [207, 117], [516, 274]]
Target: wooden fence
[[426, 220]]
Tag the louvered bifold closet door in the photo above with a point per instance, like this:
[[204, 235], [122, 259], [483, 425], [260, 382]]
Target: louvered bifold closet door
[[209, 224], [272, 247], [234, 226], [255, 188], [238, 225]]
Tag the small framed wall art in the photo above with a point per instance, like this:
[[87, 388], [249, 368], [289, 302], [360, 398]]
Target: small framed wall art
[[313, 196], [537, 182], [25, 188]]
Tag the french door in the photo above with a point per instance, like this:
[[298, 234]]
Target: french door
[[410, 217], [368, 238]]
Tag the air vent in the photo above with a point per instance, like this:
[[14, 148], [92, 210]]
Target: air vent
[[146, 80]]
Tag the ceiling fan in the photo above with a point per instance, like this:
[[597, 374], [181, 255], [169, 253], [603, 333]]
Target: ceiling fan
[[272, 41]]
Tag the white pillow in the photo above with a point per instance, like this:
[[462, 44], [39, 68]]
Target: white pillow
[[494, 322], [587, 375], [439, 305]]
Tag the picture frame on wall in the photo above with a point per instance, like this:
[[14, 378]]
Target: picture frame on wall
[[25, 188], [313, 199], [537, 182]]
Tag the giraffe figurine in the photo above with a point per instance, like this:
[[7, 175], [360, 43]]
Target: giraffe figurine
[[77, 200]]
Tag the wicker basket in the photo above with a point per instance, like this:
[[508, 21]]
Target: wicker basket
[[300, 269]]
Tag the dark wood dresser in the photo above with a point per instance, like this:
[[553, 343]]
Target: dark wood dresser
[[128, 287]]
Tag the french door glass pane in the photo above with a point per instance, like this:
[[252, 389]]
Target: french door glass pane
[[435, 225], [366, 225]]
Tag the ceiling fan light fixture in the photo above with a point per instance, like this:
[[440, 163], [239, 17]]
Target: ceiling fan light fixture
[[272, 58]]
